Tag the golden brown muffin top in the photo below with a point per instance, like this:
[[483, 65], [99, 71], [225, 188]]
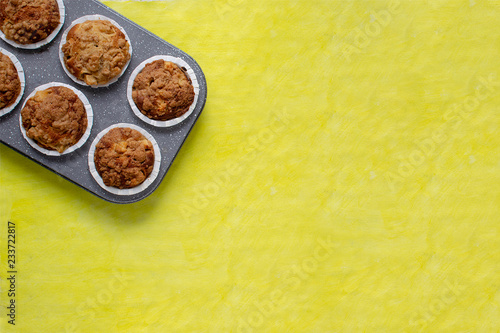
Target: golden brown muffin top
[[162, 91], [10, 84], [124, 158], [55, 118], [96, 51], [28, 21]]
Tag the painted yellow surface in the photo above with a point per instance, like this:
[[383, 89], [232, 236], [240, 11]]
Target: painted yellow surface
[[343, 177]]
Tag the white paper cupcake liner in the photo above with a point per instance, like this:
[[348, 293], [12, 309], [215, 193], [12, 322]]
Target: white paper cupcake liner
[[83, 139], [63, 41], [163, 123], [131, 191], [20, 73], [50, 38]]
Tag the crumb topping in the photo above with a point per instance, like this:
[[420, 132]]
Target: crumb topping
[[28, 21], [10, 84], [96, 51], [162, 91], [55, 118], [124, 158]]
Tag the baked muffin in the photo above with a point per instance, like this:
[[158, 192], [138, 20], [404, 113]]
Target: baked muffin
[[124, 158], [10, 84], [55, 118], [96, 52], [28, 21], [162, 90]]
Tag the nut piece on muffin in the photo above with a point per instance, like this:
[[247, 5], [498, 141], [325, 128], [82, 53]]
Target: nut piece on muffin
[[10, 84], [28, 21], [124, 158], [55, 118], [162, 91], [96, 52]]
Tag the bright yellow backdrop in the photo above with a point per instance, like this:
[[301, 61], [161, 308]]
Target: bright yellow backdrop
[[343, 177]]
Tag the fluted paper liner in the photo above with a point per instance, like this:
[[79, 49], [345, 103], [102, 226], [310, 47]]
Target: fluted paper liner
[[63, 41], [163, 123], [130, 191], [50, 38], [83, 139], [20, 73]]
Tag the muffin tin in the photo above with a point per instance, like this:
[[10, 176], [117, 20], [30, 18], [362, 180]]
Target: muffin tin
[[110, 105]]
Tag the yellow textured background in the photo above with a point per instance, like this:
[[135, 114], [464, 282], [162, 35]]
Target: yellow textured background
[[343, 177]]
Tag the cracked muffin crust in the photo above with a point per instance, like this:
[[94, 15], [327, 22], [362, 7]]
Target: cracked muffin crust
[[96, 52], [10, 84], [162, 91], [55, 118], [124, 158], [28, 21]]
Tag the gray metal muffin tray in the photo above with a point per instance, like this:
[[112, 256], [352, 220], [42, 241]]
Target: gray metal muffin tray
[[110, 105]]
